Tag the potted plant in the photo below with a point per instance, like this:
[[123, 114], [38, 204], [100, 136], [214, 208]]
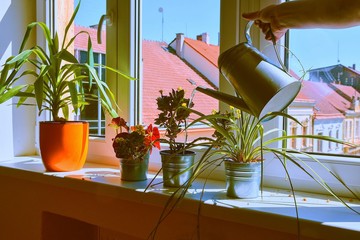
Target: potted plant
[[133, 146], [177, 162], [237, 138], [58, 86]]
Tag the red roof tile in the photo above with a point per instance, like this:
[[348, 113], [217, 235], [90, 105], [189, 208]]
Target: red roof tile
[[330, 99], [164, 70], [82, 39], [208, 51]]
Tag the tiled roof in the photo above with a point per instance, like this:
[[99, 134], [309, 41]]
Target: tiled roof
[[164, 70], [330, 99], [208, 51], [301, 97], [82, 39]]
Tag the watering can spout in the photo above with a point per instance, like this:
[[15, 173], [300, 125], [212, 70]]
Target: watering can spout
[[234, 101]]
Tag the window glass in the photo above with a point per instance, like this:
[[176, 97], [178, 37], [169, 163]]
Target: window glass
[[180, 45], [328, 62], [87, 20]]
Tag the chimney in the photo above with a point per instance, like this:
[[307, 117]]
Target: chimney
[[180, 45], [204, 37], [354, 66]]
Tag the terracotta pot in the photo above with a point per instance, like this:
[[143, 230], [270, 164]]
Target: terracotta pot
[[64, 145]]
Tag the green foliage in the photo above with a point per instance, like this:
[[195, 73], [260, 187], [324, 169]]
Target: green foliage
[[174, 110], [135, 142], [58, 76], [130, 145]]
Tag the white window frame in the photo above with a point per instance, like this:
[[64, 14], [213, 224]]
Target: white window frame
[[124, 37], [126, 41]]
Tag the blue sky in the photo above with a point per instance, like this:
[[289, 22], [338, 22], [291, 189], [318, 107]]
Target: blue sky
[[324, 47], [191, 17], [314, 48]]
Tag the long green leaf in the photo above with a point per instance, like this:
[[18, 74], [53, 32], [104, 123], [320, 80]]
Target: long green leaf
[[21, 57], [24, 95], [10, 93], [45, 29], [74, 95], [90, 60], [67, 56], [70, 23], [39, 86]]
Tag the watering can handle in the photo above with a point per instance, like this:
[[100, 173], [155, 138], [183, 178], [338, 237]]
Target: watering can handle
[[247, 32], [248, 39]]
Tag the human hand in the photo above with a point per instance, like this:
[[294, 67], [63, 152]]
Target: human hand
[[267, 20]]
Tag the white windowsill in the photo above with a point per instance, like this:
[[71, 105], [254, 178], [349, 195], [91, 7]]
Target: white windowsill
[[321, 216]]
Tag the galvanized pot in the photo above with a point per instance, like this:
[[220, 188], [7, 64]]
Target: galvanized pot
[[176, 167], [242, 179], [134, 170]]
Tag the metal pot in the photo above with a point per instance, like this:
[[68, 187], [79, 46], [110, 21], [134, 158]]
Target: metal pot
[[177, 168], [134, 170], [242, 179]]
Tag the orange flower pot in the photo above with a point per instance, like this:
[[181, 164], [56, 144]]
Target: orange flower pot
[[64, 145]]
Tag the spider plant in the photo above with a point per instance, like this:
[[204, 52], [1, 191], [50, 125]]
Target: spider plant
[[240, 137]]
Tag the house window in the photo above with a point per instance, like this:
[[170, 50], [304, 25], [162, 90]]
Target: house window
[[87, 20], [93, 113], [330, 143], [293, 130], [337, 136], [320, 143], [304, 132]]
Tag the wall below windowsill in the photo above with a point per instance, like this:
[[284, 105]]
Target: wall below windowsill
[[96, 196]]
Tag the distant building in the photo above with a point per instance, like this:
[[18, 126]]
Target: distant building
[[338, 74], [199, 54]]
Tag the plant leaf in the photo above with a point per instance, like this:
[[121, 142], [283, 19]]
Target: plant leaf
[[70, 23], [9, 93], [74, 95], [67, 56]]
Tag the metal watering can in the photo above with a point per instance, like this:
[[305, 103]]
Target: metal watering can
[[260, 85]]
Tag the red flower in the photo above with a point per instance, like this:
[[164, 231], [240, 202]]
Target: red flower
[[136, 141], [153, 135]]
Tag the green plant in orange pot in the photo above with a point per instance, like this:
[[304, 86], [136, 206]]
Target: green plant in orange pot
[[58, 87], [133, 146]]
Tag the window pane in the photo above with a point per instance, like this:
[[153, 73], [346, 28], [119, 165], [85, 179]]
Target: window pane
[[180, 43], [87, 20], [329, 99]]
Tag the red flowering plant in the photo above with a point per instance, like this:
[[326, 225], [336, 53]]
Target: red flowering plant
[[134, 142]]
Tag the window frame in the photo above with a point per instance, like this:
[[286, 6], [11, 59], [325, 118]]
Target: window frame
[[231, 27], [127, 56]]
